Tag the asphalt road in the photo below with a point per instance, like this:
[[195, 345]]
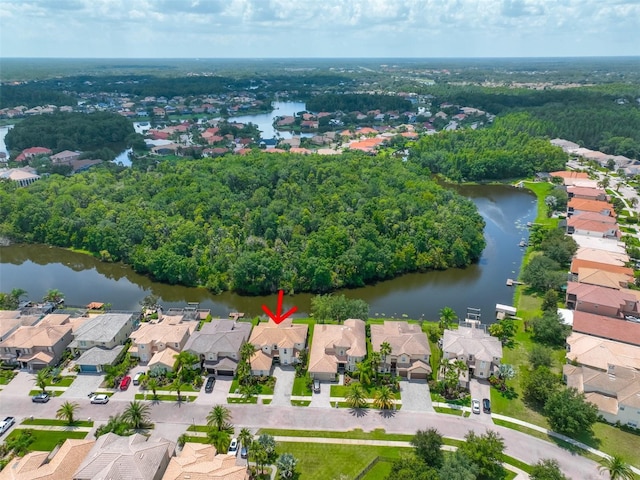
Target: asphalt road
[[172, 419]]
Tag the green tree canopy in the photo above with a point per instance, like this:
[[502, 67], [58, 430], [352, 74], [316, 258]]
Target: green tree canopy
[[485, 451], [338, 307], [547, 469], [427, 445], [568, 412]]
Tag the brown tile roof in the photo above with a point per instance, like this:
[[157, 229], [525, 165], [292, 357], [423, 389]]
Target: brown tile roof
[[600, 295], [602, 256], [591, 225], [197, 461], [285, 334], [569, 174], [599, 353], [595, 276], [586, 192], [606, 327], [36, 336], [260, 361], [351, 336], [590, 205], [403, 337], [577, 265]]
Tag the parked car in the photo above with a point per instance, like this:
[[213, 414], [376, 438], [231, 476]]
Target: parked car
[[211, 381], [101, 398], [233, 447], [244, 452], [475, 406], [6, 424], [124, 384], [40, 398], [137, 377], [316, 386], [486, 405]]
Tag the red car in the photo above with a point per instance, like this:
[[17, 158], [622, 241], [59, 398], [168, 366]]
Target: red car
[[124, 384]]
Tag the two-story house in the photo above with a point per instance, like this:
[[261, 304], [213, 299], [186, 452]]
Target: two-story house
[[154, 336], [218, 344], [601, 300], [337, 348], [276, 343], [38, 346], [410, 351], [479, 350], [105, 331]]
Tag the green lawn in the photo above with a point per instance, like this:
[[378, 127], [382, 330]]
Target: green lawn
[[264, 389], [50, 421], [300, 387], [266, 401], [450, 411], [358, 434], [163, 398], [64, 382], [53, 393], [242, 400], [300, 403], [348, 460], [46, 440], [380, 471], [343, 390], [186, 388], [436, 397]]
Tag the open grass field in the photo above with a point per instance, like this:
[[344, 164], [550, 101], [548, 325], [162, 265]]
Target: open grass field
[[46, 440]]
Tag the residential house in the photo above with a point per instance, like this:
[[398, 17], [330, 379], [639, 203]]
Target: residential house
[[10, 320], [38, 346], [615, 391], [594, 276], [602, 256], [154, 336], [218, 344], [599, 243], [570, 177], [587, 193], [163, 361], [22, 176], [578, 265], [198, 461], [616, 329], [576, 206], [276, 343], [66, 156], [134, 457], [410, 351], [599, 353], [336, 348], [579, 225], [107, 330], [96, 359], [601, 300], [471, 344], [57, 465]]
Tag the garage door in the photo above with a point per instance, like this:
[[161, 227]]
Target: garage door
[[418, 376], [225, 373], [88, 368]]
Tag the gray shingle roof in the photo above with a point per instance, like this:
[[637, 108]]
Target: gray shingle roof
[[102, 328], [100, 356]]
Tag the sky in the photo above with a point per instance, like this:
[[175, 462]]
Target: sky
[[318, 28]]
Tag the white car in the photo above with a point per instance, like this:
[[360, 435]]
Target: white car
[[233, 447], [6, 424], [475, 406], [101, 398]]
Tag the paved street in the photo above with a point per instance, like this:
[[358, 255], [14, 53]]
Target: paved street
[[172, 419]]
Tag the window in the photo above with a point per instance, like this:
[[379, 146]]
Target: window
[[622, 408], [176, 345], [284, 350]]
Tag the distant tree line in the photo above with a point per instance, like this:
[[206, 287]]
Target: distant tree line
[[357, 103], [31, 95], [71, 131], [254, 224]]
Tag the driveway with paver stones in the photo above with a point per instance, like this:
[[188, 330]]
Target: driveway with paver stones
[[415, 396], [322, 399], [480, 389], [83, 385]]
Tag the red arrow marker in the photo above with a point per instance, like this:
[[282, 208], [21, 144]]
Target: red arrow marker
[[279, 317]]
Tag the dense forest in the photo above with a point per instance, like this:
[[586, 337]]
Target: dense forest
[[357, 103], [31, 95], [254, 224], [71, 131], [507, 149]]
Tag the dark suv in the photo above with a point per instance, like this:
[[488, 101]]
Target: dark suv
[[486, 405], [211, 381]]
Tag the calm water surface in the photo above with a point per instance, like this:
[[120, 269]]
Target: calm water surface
[[83, 279]]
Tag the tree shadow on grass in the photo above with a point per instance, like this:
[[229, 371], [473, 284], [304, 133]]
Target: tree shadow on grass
[[359, 412]]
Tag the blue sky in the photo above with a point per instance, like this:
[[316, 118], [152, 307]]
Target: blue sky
[[318, 28]]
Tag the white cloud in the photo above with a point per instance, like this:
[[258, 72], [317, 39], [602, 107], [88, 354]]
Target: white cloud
[[347, 28]]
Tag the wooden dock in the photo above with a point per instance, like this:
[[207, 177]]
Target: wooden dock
[[511, 282]]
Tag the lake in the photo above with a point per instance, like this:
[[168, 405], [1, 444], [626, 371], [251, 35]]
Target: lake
[[83, 279], [264, 121]]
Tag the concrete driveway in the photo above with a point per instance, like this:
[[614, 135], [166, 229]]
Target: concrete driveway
[[322, 399], [21, 385], [415, 396], [284, 385], [219, 394], [480, 389], [83, 385]]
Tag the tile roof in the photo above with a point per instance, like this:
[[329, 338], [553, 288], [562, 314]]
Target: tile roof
[[197, 461], [403, 337], [34, 465], [167, 331], [599, 353], [260, 361], [125, 458], [326, 338], [599, 243], [609, 328], [166, 357], [602, 256], [600, 295], [474, 341], [569, 174], [586, 191], [577, 265], [595, 276], [285, 334], [219, 336], [587, 205], [591, 225], [36, 336]]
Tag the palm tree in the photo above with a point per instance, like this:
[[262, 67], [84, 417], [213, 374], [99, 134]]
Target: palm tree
[[111, 376], [115, 424], [137, 415], [245, 437], [374, 361], [506, 372], [286, 464], [383, 398], [616, 467], [363, 372], [244, 368], [219, 418], [447, 317], [53, 295], [66, 412], [219, 439], [356, 396], [385, 351], [177, 386], [153, 385], [42, 379], [17, 293]]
